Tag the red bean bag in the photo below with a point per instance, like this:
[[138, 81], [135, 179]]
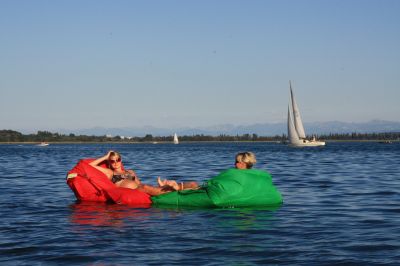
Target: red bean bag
[[90, 184]]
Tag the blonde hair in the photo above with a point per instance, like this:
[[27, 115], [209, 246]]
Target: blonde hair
[[115, 153], [246, 157]]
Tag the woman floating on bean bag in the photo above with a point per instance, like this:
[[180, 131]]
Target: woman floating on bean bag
[[126, 178], [237, 187], [105, 179]]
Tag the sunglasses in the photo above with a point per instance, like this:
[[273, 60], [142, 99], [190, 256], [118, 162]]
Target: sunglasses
[[115, 161]]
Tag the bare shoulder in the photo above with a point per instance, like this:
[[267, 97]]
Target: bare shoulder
[[107, 171]]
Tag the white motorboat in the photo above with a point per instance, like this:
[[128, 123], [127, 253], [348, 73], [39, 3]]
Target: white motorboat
[[43, 144]]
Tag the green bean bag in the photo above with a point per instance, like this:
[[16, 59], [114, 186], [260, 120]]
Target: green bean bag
[[231, 188]]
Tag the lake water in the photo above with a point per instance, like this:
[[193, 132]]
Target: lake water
[[341, 206]]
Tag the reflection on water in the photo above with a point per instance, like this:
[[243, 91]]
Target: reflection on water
[[115, 215], [246, 218], [103, 214]]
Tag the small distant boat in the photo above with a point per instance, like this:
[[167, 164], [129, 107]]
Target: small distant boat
[[42, 144], [176, 141], [296, 133], [386, 142]]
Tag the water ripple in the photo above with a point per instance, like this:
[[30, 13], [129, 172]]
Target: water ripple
[[340, 208]]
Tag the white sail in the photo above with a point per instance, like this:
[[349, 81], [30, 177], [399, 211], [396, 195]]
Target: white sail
[[176, 141], [298, 124], [292, 133]]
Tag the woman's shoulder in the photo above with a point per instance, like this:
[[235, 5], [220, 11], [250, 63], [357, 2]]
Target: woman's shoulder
[[107, 171]]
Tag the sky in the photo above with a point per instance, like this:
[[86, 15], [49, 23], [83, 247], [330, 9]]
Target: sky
[[176, 63]]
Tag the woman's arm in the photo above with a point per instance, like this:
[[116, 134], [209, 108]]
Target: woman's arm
[[95, 164], [97, 161], [134, 175], [176, 185], [167, 186], [154, 191]]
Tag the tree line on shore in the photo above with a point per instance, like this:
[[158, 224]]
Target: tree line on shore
[[7, 136]]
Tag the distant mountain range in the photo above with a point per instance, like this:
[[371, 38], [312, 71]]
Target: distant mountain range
[[267, 129]]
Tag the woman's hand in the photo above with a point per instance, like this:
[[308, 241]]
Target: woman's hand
[[108, 154], [167, 184], [161, 182], [135, 177]]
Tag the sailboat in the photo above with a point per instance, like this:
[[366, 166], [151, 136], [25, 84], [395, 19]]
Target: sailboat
[[296, 133], [176, 141]]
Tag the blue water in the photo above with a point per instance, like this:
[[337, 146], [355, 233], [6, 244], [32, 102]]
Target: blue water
[[341, 206]]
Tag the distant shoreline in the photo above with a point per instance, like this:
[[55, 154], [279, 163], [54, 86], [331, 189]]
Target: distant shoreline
[[15, 137], [182, 142]]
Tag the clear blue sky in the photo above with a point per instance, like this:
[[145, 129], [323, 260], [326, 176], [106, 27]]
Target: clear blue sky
[[80, 64]]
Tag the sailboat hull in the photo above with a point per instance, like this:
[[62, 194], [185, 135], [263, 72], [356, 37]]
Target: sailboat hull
[[307, 143]]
